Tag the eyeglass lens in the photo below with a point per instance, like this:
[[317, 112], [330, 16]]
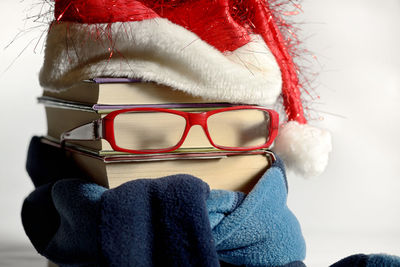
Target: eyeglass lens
[[148, 130], [161, 130], [239, 128]]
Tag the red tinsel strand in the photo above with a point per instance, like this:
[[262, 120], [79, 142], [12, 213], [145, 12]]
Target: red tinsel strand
[[209, 19], [95, 11], [266, 26], [267, 21]]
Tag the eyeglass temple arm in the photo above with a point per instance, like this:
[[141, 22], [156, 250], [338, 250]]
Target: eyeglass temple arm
[[270, 156], [90, 131]]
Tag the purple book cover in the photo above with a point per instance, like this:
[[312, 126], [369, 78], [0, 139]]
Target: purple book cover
[[115, 80]]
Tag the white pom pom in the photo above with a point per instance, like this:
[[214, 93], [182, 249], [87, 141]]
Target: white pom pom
[[305, 149]]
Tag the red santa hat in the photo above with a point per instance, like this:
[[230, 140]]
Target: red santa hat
[[227, 50]]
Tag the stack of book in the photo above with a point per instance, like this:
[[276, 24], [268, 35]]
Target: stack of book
[[93, 99]]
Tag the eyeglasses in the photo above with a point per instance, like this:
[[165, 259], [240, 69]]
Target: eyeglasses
[[158, 130]]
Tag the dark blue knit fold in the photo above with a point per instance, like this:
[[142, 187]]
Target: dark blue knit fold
[[47, 164], [371, 260], [159, 222], [256, 229]]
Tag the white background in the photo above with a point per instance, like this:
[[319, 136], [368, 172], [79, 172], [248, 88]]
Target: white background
[[352, 208]]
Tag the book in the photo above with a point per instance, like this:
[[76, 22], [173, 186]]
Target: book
[[221, 170], [114, 91], [238, 172]]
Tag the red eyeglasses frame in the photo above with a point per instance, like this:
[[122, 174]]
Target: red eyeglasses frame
[[191, 120], [104, 128]]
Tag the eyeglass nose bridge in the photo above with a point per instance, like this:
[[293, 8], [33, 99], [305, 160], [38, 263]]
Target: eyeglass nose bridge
[[197, 119]]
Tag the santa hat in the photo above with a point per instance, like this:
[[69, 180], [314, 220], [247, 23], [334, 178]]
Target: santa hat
[[223, 50]]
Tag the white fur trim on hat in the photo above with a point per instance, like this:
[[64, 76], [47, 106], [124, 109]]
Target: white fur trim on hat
[[160, 51], [304, 149]]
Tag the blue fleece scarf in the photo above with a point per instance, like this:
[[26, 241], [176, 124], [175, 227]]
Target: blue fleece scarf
[[171, 221], [371, 260], [257, 229]]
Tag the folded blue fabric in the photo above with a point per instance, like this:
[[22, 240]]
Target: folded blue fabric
[[170, 221], [372, 260], [46, 164], [148, 222], [257, 229], [157, 222]]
